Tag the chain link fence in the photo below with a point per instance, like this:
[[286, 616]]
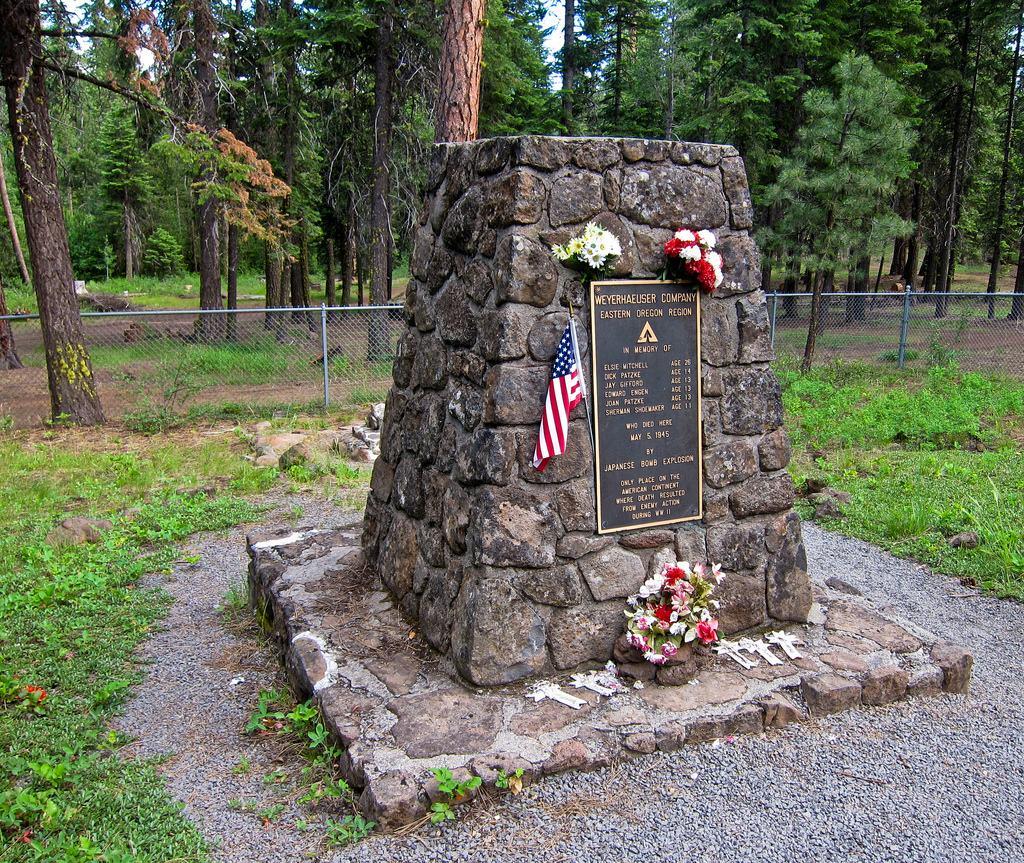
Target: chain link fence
[[246, 361], [979, 332]]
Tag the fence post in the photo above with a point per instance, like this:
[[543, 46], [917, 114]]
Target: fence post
[[323, 346], [774, 313], [904, 327]]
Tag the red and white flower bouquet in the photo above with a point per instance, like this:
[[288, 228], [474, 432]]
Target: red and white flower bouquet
[[674, 609], [695, 252]]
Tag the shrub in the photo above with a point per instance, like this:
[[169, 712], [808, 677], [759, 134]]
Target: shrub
[[163, 254]]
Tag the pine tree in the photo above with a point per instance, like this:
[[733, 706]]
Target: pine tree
[[124, 178], [834, 189]]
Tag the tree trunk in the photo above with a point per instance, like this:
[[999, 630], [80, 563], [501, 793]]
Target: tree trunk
[[812, 326], [11, 225], [670, 101], [957, 155], [8, 354], [73, 394], [997, 231], [457, 109], [377, 348], [1017, 304], [347, 253], [204, 33], [232, 320], [329, 290], [569, 67], [273, 264], [130, 234], [617, 79], [914, 243]]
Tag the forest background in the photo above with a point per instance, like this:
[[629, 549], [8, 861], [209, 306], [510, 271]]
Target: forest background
[[297, 133]]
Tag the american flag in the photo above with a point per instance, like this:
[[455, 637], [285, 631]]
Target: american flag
[[565, 390]]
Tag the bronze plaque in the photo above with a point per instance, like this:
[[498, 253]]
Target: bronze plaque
[[646, 372]]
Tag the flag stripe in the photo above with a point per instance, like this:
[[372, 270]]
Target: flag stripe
[[564, 393]]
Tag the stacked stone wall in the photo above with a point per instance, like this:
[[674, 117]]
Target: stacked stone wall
[[501, 564]]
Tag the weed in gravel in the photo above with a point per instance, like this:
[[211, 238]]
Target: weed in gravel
[[348, 830], [454, 792]]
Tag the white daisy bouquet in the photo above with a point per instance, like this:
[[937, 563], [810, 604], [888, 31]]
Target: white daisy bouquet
[[674, 607], [591, 252]]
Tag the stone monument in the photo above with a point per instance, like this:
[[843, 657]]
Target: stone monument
[[501, 565]]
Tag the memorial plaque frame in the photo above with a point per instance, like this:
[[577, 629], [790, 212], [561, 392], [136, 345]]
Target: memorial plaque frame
[[607, 523]]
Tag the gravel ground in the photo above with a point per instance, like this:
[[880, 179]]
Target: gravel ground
[[935, 780]]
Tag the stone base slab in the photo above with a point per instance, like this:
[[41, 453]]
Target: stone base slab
[[398, 709]]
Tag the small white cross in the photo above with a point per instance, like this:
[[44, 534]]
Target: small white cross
[[786, 641], [732, 650], [555, 693], [595, 681], [761, 649]]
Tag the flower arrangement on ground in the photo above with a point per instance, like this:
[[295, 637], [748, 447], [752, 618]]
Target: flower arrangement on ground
[[674, 609], [695, 251], [591, 252]]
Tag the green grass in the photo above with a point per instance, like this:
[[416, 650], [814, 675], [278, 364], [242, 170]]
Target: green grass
[[924, 455], [182, 291], [70, 619]]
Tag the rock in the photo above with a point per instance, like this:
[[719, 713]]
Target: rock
[[763, 494], [543, 717], [647, 539], [398, 553], [789, 595], [392, 800], [734, 179], [736, 547], [719, 335], [437, 603], [456, 322], [298, 454], [575, 197], [585, 631], [398, 672], [827, 508], [543, 152], [517, 198], [514, 395], [828, 693], [842, 586], [967, 539], [546, 333], [576, 505], [884, 684], [488, 456], [511, 527], [565, 755], [671, 736], [510, 646], [755, 335], [613, 573], [677, 674], [430, 368], [503, 332], [845, 616], [558, 585], [375, 417], [843, 660], [623, 651], [691, 544], [729, 463], [748, 719], [77, 530], [775, 450], [956, 664], [461, 229], [467, 406], [408, 487], [269, 460], [752, 401], [780, 710], [444, 722], [715, 687], [927, 680], [743, 602], [595, 153], [667, 196], [642, 671], [524, 272], [577, 459], [643, 743]]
